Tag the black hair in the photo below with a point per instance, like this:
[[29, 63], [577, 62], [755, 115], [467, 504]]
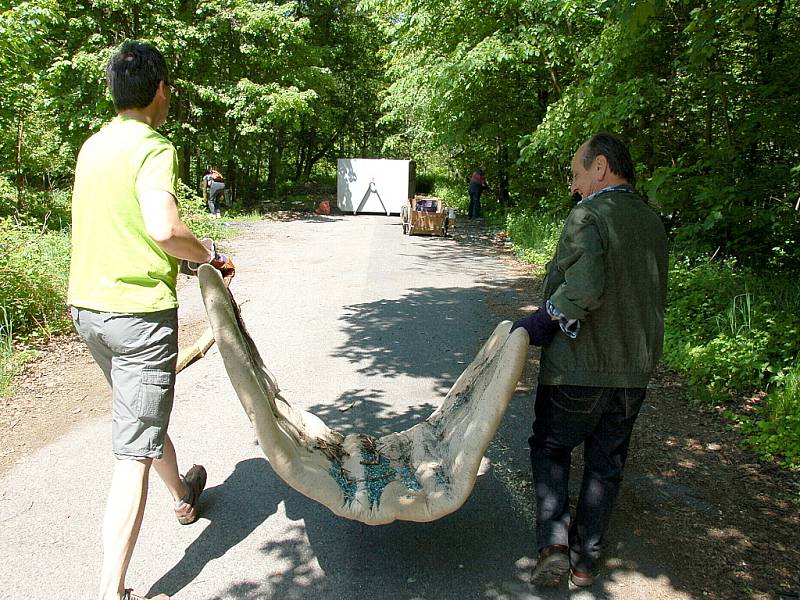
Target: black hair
[[615, 151], [133, 74]]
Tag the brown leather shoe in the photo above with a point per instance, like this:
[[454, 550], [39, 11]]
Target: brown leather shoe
[[552, 565], [195, 480], [581, 578]]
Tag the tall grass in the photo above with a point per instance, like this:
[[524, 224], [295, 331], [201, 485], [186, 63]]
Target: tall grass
[[738, 317], [7, 359], [535, 236], [33, 279], [34, 271]]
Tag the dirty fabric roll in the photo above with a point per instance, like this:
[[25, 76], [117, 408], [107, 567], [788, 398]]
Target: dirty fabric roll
[[420, 474]]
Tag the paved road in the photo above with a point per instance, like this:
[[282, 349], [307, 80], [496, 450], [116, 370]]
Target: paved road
[[347, 312]]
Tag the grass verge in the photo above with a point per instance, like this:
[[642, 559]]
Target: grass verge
[[34, 272]]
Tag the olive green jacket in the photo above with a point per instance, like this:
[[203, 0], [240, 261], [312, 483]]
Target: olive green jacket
[[610, 272]]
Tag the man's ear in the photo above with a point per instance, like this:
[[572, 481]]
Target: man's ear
[[601, 166], [162, 89]]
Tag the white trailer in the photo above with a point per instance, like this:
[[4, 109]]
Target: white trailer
[[374, 185]]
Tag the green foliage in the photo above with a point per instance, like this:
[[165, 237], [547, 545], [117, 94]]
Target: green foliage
[[34, 268], [11, 358], [194, 213], [425, 183], [262, 91], [727, 329], [732, 332], [774, 431], [535, 236], [453, 193], [47, 210], [705, 94], [467, 80], [8, 196]]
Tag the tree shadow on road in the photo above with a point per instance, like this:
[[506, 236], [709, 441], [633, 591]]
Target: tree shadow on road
[[427, 333], [233, 515], [326, 556], [696, 517]]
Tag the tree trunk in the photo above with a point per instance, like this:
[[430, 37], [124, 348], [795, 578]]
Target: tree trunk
[[135, 21], [187, 11], [308, 166], [18, 160], [185, 162], [313, 159], [274, 165], [503, 194], [231, 174], [300, 164], [259, 162], [273, 171], [773, 31]]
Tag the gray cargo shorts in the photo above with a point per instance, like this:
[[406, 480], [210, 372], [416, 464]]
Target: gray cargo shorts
[[138, 354]]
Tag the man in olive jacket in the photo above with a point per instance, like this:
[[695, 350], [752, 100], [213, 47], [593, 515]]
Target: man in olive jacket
[[601, 330]]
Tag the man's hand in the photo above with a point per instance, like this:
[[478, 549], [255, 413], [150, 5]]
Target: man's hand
[[219, 261], [225, 266], [540, 327]]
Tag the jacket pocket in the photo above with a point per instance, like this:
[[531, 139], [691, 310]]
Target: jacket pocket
[[155, 400], [578, 398]]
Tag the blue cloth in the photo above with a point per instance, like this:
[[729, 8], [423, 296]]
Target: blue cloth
[[569, 326], [621, 187]]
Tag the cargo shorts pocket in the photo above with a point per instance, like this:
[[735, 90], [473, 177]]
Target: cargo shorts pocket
[[155, 397], [577, 398]]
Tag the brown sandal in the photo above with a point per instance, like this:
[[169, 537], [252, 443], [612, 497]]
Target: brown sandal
[[195, 480], [129, 595]]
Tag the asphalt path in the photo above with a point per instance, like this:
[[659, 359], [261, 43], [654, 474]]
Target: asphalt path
[[368, 329]]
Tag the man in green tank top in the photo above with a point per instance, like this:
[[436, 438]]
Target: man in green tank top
[[127, 238]]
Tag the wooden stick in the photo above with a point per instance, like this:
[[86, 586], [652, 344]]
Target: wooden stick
[[196, 350]]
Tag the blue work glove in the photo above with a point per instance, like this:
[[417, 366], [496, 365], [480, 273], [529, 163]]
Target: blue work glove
[[540, 327]]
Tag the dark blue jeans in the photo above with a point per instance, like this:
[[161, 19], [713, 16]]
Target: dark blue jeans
[[216, 193], [474, 203], [566, 416]]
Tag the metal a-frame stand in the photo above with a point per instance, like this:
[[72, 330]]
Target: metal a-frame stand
[[372, 189]]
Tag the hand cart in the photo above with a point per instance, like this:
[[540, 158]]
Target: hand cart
[[425, 216]]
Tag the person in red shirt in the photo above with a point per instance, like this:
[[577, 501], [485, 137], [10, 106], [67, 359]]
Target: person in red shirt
[[477, 183]]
